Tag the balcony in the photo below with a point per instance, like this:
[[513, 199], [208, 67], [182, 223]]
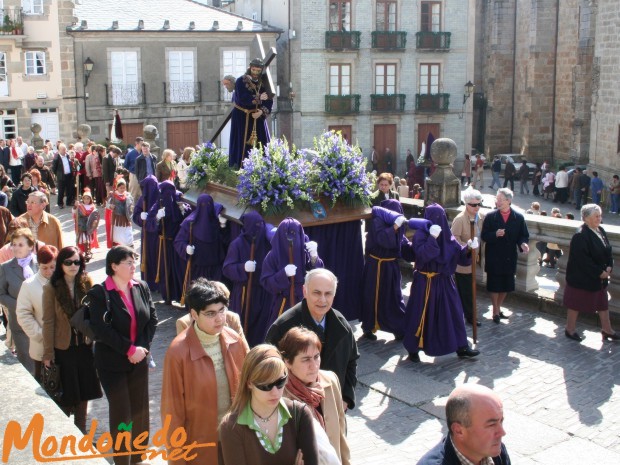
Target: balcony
[[12, 24], [438, 41], [125, 94], [387, 102], [342, 104], [432, 103], [389, 40], [182, 92], [336, 40]]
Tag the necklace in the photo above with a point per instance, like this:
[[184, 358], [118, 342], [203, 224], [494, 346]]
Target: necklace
[[263, 419]]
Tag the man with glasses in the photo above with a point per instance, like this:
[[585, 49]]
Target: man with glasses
[[462, 231], [201, 369], [44, 226]]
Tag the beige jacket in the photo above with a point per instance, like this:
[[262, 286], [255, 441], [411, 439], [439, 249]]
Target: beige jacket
[[29, 311], [461, 230]]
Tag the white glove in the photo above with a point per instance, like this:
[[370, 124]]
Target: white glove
[[435, 230], [223, 221], [160, 213], [290, 270], [399, 221], [473, 244], [190, 249], [312, 247], [250, 266], [144, 216]]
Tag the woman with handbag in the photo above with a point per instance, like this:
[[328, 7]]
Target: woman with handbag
[[319, 390], [65, 345], [30, 305], [262, 428], [123, 319]]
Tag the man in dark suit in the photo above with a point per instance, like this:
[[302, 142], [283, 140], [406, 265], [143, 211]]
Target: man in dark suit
[[62, 167], [315, 312], [5, 153], [475, 417], [109, 165], [145, 163]]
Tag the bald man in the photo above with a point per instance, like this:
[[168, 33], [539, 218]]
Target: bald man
[[475, 417]]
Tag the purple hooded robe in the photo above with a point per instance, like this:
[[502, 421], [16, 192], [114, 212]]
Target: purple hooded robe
[[382, 304], [273, 277], [169, 264], [150, 242], [254, 230], [208, 238], [436, 324]]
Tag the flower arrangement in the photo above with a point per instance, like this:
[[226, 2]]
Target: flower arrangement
[[339, 170], [210, 164], [274, 178]]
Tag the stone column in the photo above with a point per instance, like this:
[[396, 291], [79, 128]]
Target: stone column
[[150, 134], [443, 187], [527, 269]]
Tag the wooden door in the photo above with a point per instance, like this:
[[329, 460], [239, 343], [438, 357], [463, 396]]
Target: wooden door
[[346, 132], [130, 132], [181, 134], [423, 130], [385, 137]]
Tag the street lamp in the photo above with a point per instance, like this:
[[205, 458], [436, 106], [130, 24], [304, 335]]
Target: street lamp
[[88, 68], [469, 89]]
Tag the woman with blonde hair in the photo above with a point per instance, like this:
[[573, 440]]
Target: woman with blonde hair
[[262, 428], [166, 169], [183, 166]]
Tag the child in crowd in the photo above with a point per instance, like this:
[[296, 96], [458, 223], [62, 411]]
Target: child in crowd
[[119, 208], [81, 214]]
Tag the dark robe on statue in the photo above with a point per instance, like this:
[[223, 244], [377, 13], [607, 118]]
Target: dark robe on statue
[[273, 277], [434, 314], [246, 100], [382, 303], [254, 231], [208, 238], [170, 267], [149, 242]]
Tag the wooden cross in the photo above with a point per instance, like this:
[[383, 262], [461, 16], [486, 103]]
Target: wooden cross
[[268, 81]]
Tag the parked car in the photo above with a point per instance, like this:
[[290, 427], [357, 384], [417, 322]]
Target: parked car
[[517, 160]]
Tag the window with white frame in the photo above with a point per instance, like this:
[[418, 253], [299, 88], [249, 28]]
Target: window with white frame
[[339, 79], [234, 63], [181, 76], [429, 78], [8, 124], [35, 63], [4, 85], [385, 79], [125, 88], [32, 7]]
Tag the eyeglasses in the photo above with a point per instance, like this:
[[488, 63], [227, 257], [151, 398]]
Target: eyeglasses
[[278, 383], [212, 315], [130, 264], [69, 262], [474, 205]]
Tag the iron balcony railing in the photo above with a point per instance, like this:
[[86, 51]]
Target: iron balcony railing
[[433, 41], [336, 40], [387, 102], [182, 92], [339, 104], [389, 40], [432, 103], [125, 94]]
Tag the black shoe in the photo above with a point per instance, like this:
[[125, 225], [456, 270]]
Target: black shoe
[[574, 336], [496, 319], [370, 335], [467, 352], [502, 316], [610, 336], [414, 357], [470, 322], [61, 206], [398, 337]]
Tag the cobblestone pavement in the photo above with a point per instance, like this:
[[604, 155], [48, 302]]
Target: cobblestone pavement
[[561, 398]]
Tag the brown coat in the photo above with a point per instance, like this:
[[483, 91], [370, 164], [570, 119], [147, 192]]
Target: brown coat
[[163, 172], [461, 230], [189, 387], [57, 329]]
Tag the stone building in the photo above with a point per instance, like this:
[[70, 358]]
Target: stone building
[[34, 85], [385, 72], [159, 63]]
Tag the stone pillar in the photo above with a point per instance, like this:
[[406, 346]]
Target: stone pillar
[[527, 269], [150, 134], [83, 131], [443, 187], [37, 141]]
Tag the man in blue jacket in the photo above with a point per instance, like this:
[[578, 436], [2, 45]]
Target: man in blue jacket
[[475, 417]]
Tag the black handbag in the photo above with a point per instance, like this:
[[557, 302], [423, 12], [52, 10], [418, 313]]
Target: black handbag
[[51, 381], [81, 318]]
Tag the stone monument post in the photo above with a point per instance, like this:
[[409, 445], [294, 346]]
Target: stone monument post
[[83, 132], [150, 134], [443, 187], [36, 141]]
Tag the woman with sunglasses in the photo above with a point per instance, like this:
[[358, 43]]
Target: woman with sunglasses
[[318, 389], [262, 428], [123, 319], [62, 343], [461, 230]]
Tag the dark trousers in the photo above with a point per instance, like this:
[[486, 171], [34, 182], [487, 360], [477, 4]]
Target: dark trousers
[[128, 400], [463, 284], [512, 183], [66, 187], [16, 174], [561, 194]]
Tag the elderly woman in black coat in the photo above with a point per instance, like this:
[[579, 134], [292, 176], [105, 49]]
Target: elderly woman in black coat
[[587, 274]]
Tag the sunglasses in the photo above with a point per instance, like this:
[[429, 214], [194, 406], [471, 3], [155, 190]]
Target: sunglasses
[[69, 262], [474, 205], [278, 383]]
